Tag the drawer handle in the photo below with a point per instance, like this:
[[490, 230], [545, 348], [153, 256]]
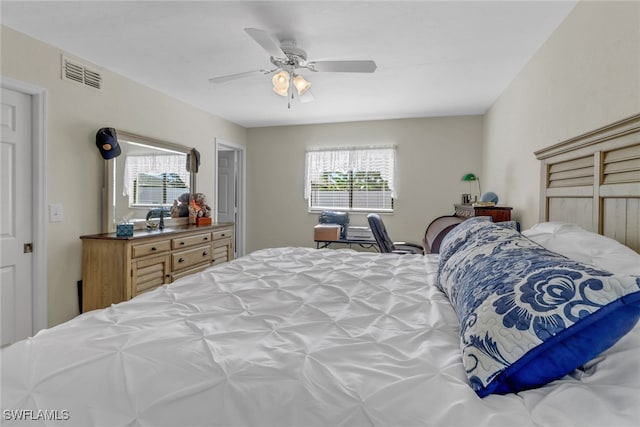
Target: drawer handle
[[167, 275], [154, 248], [223, 235], [180, 259], [205, 253], [205, 239], [181, 243]]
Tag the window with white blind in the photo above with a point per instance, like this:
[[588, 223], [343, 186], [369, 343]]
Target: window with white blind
[[350, 179], [155, 180]]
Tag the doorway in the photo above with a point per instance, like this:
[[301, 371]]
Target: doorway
[[230, 190], [23, 267]]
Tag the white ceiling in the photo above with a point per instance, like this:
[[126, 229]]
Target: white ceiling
[[434, 58]]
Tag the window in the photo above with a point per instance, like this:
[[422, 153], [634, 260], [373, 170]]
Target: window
[[351, 179], [155, 180]]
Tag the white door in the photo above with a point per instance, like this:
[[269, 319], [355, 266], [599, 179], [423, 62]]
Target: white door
[[227, 189], [226, 186], [15, 216]]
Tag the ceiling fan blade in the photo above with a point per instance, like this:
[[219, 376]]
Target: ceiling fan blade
[[364, 66], [264, 39], [236, 76]]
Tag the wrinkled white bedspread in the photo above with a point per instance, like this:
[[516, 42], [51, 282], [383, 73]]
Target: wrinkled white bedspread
[[293, 337]]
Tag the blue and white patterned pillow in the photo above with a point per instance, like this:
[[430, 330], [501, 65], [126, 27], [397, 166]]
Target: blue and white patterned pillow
[[528, 315]]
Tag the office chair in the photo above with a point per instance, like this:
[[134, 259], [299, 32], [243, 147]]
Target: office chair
[[385, 243]]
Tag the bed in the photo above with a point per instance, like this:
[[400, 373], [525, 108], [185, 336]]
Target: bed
[[307, 337]]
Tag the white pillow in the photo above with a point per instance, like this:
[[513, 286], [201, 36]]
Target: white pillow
[[579, 244]]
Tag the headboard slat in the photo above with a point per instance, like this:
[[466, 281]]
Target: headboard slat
[[621, 165], [571, 164], [570, 182], [571, 173], [620, 177], [621, 154]]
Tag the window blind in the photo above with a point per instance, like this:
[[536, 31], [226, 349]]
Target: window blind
[[350, 179]]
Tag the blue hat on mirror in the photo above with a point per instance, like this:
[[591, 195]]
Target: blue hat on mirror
[[107, 143]]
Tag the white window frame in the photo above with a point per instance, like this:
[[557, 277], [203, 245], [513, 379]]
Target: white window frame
[[345, 163]]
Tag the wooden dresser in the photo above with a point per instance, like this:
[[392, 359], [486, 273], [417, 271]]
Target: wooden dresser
[[498, 213], [116, 269]]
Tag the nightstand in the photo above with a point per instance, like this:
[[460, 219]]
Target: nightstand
[[498, 213]]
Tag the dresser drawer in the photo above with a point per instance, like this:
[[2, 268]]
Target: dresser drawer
[[221, 242], [153, 248], [220, 255], [195, 239], [222, 233], [189, 271], [149, 273], [190, 257]]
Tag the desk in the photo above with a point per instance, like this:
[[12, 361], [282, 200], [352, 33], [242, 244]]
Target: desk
[[363, 243]]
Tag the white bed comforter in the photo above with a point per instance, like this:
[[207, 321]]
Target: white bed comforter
[[292, 337]]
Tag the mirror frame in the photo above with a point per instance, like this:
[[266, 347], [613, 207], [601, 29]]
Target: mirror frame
[[109, 184]]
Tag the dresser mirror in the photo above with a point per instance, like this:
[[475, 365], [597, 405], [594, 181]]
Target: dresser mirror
[[145, 180]]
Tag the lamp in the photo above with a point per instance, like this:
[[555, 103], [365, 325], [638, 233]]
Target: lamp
[[471, 177], [302, 86], [281, 83]]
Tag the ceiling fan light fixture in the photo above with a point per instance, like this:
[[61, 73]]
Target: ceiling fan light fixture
[[281, 83], [306, 97], [302, 86], [281, 92]]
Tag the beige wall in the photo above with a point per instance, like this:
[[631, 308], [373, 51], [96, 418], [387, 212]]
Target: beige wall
[[585, 76], [74, 165], [432, 155]]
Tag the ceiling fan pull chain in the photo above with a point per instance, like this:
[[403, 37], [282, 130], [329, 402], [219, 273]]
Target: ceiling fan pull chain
[[289, 100]]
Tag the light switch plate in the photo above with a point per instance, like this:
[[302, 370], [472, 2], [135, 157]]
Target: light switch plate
[[55, 212]]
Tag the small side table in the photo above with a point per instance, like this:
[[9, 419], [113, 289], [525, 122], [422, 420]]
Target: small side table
[[498, 213]]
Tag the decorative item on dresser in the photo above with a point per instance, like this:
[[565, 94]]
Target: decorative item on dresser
[[498, 213], [116, 269]]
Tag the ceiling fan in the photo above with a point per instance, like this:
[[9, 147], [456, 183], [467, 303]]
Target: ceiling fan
[[288, 58]]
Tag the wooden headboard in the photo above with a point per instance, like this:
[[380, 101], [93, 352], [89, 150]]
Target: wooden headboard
[[593, 180]]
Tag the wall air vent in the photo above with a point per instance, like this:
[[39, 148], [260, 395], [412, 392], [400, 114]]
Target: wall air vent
[[76, 72]]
